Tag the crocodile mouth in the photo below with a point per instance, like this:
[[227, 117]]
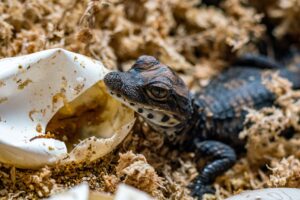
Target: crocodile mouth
[[154, 115]]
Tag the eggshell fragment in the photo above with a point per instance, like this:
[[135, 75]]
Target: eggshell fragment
[[269, 194], [126, 192], [81, 192], [35, 89]]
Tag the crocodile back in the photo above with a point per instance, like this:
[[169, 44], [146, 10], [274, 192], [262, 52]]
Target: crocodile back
[[223, 103]]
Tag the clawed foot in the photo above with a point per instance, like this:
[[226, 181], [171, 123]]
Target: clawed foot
[[198, 190]]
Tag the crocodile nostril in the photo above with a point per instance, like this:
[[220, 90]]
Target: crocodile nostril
[[113, 80]]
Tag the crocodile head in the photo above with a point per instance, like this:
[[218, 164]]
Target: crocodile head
[[155, 92]]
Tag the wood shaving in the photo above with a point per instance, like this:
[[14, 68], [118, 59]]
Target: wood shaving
[[283, 13], [134, 170], [286, 173]]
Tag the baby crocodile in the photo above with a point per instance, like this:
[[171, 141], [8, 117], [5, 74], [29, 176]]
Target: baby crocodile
[[210, 120]]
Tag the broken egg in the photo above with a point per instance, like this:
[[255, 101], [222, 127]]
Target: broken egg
[[54, 107]]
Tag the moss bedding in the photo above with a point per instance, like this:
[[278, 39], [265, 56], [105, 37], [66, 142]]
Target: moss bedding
[[197, 40]]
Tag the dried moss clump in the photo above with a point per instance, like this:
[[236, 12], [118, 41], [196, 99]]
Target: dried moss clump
[[266, 135], [286, 173], [134, 170]]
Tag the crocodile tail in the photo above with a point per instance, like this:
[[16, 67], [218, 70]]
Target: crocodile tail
[[292, 70]]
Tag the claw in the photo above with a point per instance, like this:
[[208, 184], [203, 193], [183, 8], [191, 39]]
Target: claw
[[198, 190]]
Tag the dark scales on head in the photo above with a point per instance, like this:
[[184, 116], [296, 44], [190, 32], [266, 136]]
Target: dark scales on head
[[210, 120], [154, 91]]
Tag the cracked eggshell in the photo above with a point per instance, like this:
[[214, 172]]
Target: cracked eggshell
[[79, 192], [125, 192], [40, 92], [268, 194], [82, 192]]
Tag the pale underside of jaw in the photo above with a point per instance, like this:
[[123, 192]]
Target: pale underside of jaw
[[154, 116]]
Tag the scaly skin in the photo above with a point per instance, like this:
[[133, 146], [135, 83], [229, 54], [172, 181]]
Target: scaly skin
[[210, 120]]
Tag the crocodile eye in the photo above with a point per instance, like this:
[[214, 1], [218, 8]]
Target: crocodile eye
[[158, 92]]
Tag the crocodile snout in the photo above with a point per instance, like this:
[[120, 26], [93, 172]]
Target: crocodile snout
[[113, 81]]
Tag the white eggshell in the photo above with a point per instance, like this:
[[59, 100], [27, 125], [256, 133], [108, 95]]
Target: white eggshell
[[79, 192], [82, 192], [29, 87], [126, 192], [269, 194]]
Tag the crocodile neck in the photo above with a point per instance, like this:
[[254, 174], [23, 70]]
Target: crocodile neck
[[184, 128], [199, 119]]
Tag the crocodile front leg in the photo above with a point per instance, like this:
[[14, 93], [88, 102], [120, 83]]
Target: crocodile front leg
[[222, 158]]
